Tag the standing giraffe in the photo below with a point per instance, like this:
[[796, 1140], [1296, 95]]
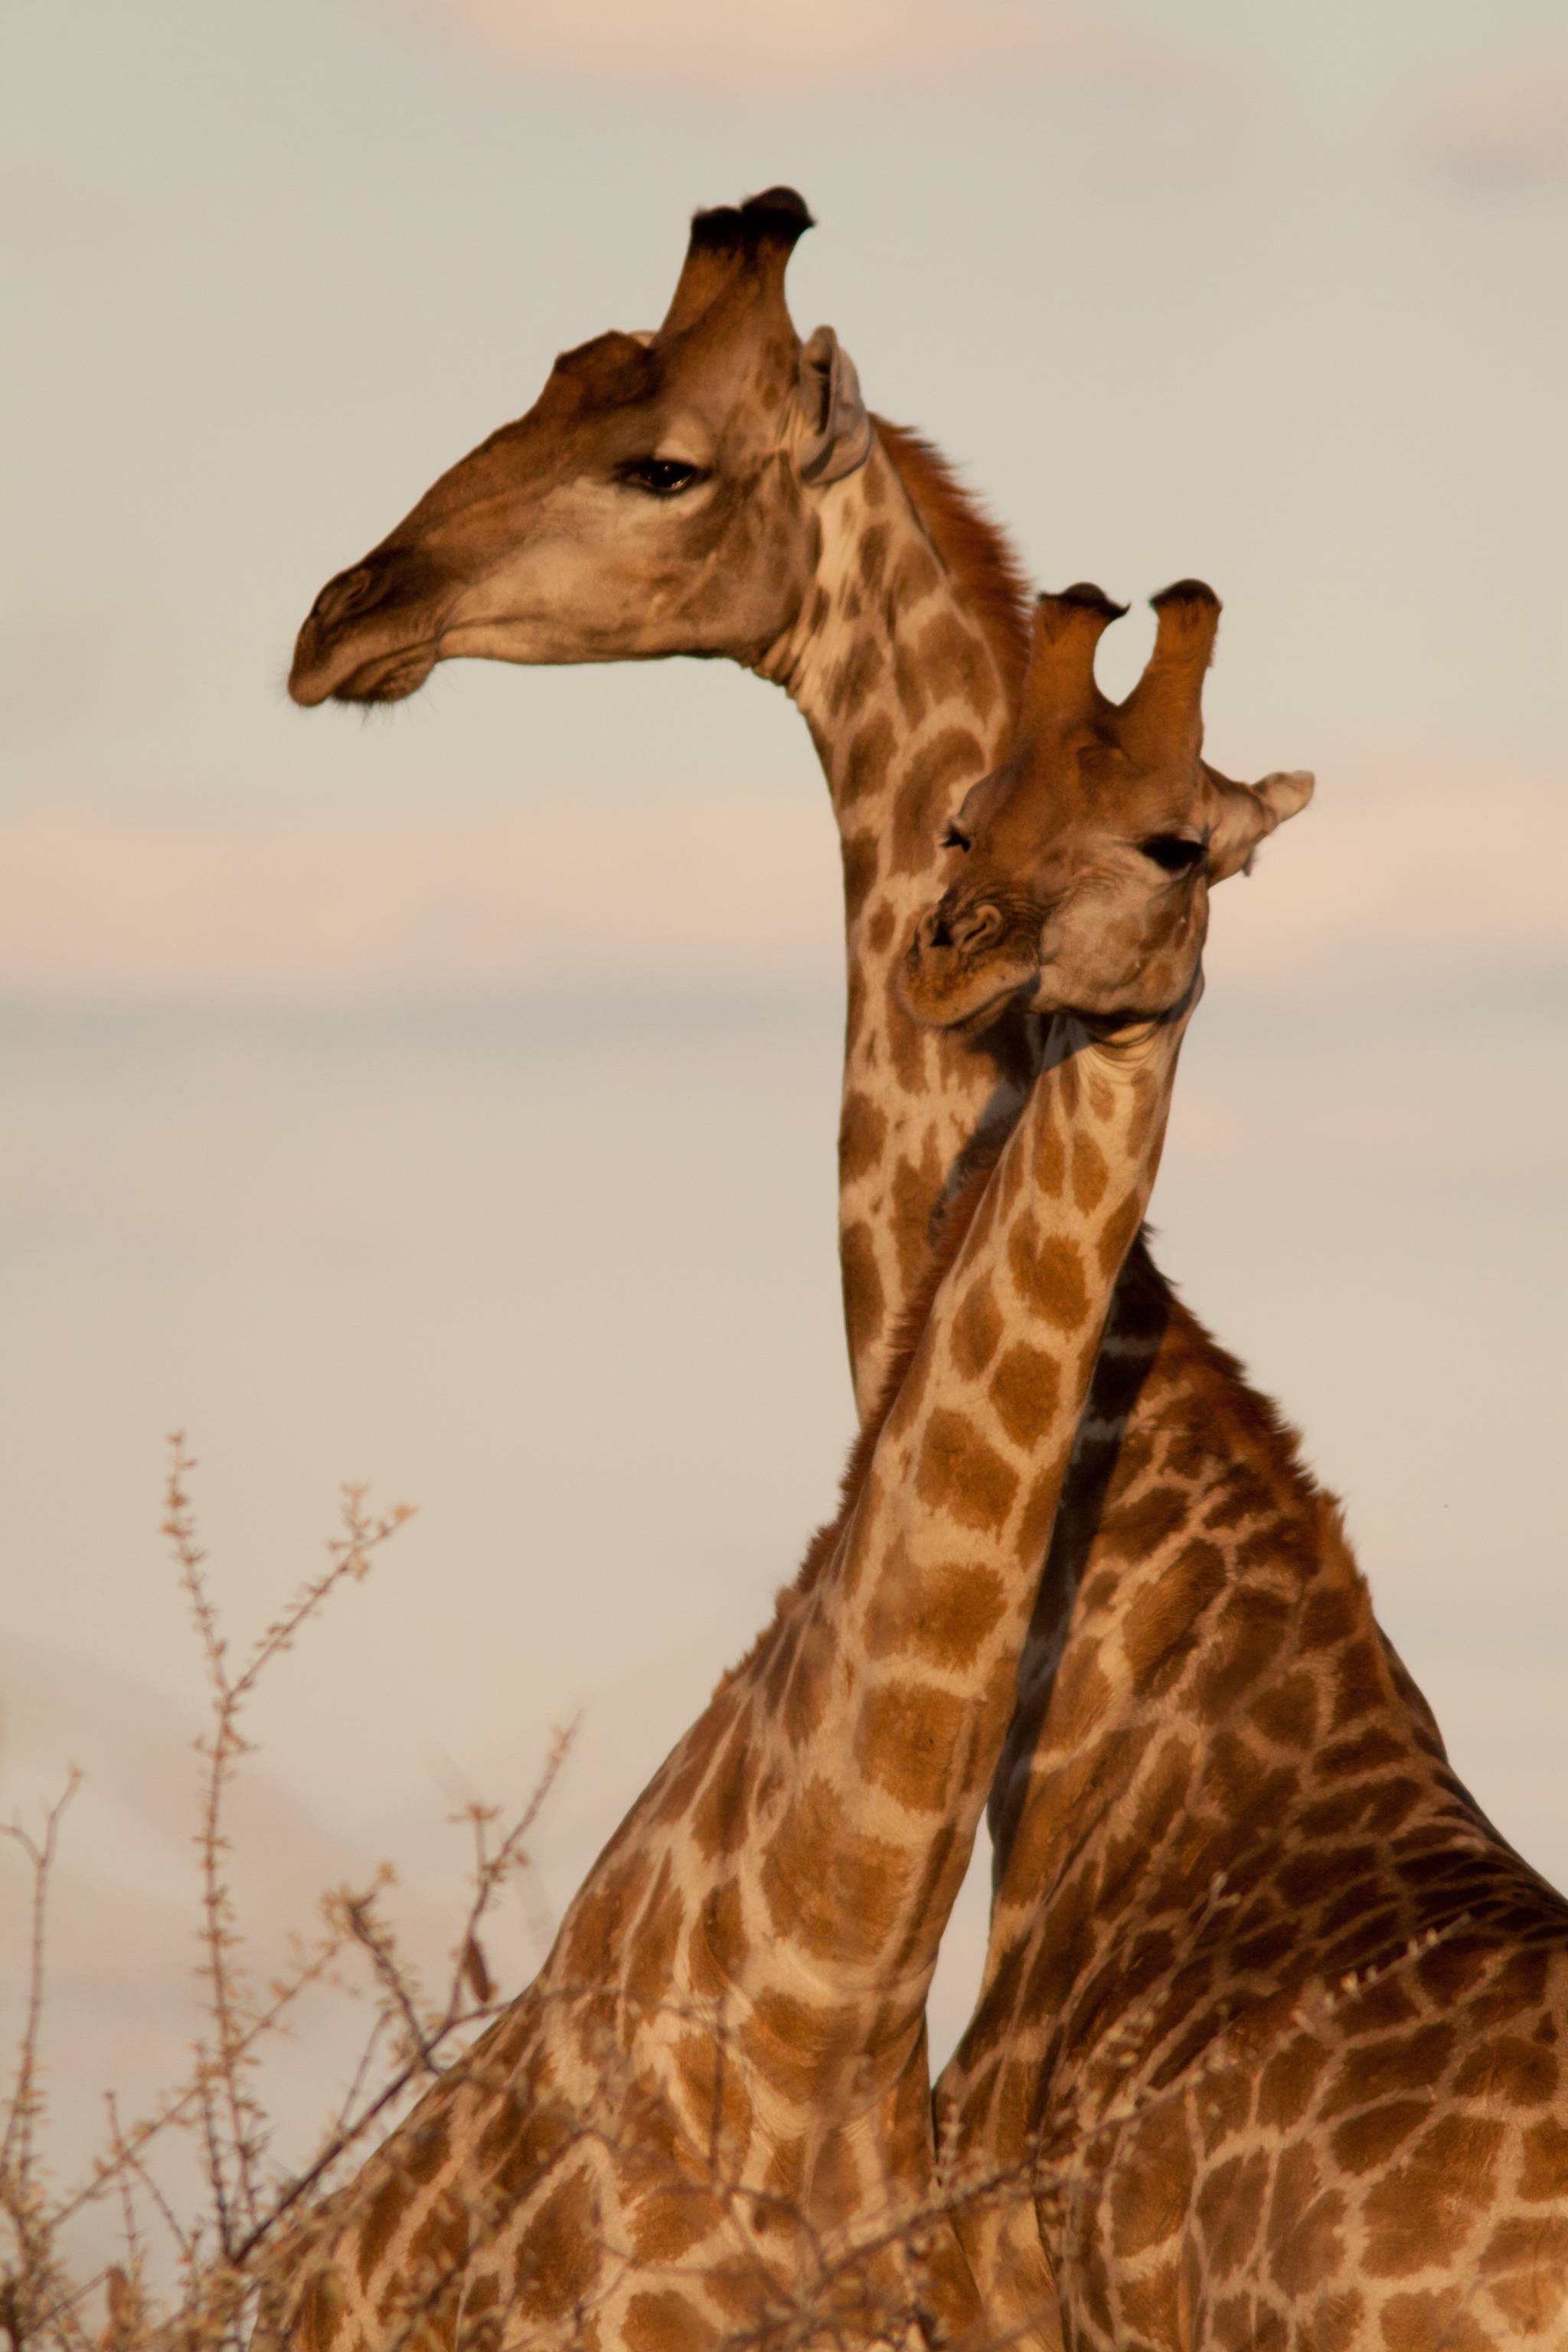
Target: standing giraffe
[[720, 488], [709, 2114], [1274, 2035]]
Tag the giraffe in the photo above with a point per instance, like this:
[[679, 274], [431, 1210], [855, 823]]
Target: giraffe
[[718, 487], [718, 2076], [1271, 2046]]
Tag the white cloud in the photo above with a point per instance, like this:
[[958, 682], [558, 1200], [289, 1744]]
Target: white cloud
[[1407, 864], [1503, 135]]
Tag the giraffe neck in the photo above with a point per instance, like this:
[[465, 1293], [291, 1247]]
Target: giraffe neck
[[797, 1857], [1224, 1742], [905, 662]]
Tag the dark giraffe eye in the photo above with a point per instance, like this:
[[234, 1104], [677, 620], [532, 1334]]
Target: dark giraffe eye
[[956, 838], [660, 478], [1171, 852]]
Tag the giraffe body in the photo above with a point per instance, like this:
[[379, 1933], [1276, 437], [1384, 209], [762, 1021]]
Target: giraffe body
[[1269, 2042], [1271, 2039]]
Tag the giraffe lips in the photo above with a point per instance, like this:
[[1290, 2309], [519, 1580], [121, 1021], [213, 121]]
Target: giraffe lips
[[942, 992]]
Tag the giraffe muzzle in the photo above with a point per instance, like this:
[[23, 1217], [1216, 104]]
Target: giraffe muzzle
[[370, 635], [965, 958]]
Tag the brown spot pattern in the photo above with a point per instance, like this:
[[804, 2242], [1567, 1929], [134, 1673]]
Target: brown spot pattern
[[910, 1735], [1025, 1390], [1048, 1270], [960, 1472], [942, 1620]]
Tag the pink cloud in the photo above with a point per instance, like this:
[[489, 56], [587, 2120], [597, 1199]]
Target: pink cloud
[[712, 46], [1383, 867], [93, 907], [1504, 133]]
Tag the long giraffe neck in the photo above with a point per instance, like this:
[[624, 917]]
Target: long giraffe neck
[[906, 662], [723, 2058], [1235, 1801], [798, 1854]]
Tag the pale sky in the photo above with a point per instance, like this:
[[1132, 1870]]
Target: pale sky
[[322, 1038]]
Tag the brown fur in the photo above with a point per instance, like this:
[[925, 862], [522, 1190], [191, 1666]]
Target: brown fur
[[735, 2004]]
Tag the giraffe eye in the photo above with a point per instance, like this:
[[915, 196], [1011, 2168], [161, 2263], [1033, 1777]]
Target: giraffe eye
[[956, 838], [660, 478], [1171, 852]]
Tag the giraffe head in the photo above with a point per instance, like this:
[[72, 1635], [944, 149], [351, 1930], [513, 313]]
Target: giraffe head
[[1083, 863], [658, 498]]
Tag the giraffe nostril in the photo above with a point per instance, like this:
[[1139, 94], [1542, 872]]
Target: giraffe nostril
[[977, 928], [339, 597]]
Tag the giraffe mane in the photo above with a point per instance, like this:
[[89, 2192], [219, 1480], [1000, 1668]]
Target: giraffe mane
[[973, 548], [1223, 1394], [1242, 1422]]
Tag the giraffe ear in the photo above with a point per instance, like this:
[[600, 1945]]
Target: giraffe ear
[[838, 431], [1245, 814]]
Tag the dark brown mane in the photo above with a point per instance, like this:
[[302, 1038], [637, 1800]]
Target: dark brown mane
[[979, 558]]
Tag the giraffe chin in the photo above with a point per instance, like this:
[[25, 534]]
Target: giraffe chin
[[966, 1004], [390, 677]]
